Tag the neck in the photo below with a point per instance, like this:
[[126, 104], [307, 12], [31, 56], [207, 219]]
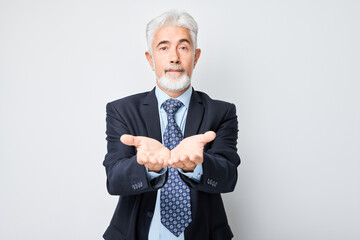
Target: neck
[[171, 93]]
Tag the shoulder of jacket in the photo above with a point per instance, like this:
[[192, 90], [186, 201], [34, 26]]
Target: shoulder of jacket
[[208, 100], [134, 99]]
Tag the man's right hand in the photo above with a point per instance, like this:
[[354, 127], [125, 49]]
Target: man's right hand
[[150, 152]]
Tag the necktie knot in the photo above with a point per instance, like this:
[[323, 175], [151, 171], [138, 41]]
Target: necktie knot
[[171, 106]]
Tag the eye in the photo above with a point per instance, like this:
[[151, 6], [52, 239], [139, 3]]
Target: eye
[[163, 48], [183, 48]]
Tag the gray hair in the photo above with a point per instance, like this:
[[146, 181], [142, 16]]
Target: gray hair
[[174, 18]]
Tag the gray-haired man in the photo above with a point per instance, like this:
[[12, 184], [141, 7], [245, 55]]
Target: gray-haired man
[[171, 151]]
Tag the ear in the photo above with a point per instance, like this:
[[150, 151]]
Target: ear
[[197, 55], [150, 59]]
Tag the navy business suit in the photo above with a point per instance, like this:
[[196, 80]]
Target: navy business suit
[[138, 115]]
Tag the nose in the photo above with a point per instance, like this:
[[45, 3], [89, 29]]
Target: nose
[[174, 57]]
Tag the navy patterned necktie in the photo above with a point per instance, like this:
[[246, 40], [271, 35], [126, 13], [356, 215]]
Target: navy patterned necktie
[[175, 206]]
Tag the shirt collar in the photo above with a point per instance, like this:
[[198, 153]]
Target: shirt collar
[[162, 97]]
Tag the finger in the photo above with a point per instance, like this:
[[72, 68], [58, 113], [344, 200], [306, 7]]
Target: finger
[[197, 159], [177, 165], [208, 137], [182, 160], [189, 166], [159, 161], [165, 164], [174, 160], [165, 154], [163, 161], [150, 166], [183, 157], [128, 139], [142, 159], [186, 162], [152, 160]]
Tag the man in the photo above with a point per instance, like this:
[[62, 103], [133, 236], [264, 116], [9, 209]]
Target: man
[[171, 151]]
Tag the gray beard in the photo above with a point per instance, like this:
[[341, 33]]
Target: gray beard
[[174, 85]]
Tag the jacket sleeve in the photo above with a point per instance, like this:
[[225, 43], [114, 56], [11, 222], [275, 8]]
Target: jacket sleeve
[[220, 158], [124, 175]]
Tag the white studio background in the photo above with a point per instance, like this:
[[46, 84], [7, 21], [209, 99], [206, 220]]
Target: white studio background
[[291, 68]]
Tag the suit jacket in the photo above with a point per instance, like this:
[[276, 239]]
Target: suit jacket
[[138, 115]]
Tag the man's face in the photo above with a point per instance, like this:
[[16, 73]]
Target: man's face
[[173, 55]]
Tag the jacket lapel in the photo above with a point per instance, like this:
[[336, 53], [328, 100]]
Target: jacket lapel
[[150, 114], [194, 116]]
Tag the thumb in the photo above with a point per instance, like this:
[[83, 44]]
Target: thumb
[[208, 136], [128, 139]]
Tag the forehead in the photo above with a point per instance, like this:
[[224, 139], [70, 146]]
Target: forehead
[[172, 34]]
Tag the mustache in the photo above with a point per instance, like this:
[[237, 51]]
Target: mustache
[[174, 67]]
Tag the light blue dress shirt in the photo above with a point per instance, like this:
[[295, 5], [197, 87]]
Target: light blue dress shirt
[[157, 230]]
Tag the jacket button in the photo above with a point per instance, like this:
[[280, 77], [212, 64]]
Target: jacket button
[[150, 214]]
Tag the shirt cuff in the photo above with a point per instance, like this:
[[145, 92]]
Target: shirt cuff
[[151, 175], [194, 175]]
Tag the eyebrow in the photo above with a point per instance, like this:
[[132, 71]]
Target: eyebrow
[[184, 40], [163, 42], [166, 42]]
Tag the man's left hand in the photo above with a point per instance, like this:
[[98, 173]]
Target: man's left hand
[[189, 152]]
